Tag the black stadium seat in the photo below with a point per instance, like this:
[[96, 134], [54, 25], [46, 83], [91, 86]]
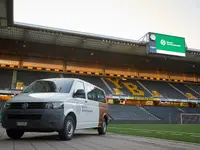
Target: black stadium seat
[[5, 78]]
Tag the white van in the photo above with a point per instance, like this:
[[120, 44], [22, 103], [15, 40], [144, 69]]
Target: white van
[[57, 104]]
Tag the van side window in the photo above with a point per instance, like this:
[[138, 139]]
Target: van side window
[[100, 96], [91, 92], [79, 86], [95, 94]]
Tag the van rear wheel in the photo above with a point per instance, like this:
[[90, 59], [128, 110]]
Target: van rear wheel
[[102, 130], [14, 133], [67, 132]]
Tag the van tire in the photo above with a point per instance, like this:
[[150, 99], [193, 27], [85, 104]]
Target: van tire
[[102, 130], [14, 133], [67, 131]]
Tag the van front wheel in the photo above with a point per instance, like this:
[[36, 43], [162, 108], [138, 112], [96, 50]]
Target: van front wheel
[[102, 130], [67, 132]]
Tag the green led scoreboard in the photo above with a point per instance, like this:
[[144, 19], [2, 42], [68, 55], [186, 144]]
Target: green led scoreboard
[[166, 44]]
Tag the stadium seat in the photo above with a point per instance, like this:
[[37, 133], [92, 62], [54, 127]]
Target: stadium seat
[[156, 94]]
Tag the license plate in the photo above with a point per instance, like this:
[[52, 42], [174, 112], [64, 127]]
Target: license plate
[[21, 123]]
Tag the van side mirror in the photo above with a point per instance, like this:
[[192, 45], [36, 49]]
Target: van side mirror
[[79, 94]]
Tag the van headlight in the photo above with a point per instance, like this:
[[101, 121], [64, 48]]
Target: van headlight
[[54, 105], [7, 105]]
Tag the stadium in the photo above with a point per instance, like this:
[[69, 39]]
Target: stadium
[[147, 89]]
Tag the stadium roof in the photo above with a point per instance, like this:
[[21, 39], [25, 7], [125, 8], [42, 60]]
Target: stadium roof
[[82, 40]]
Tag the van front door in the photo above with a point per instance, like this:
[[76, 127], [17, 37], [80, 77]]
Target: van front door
[[92, 106], [81, 104]]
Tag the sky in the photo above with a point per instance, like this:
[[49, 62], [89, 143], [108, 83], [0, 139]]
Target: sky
[[129, 19]]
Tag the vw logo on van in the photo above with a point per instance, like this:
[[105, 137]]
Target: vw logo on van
[[24, 105]]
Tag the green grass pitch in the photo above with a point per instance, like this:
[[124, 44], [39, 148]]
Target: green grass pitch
[[185, 132]]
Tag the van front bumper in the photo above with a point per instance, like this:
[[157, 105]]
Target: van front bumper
[[33, 120]]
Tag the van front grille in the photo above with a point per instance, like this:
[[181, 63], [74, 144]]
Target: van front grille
[[31, 105]]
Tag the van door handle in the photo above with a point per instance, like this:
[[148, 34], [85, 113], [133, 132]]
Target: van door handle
[[86, 101]]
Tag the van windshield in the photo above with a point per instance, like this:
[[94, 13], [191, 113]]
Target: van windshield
[[44, 86]]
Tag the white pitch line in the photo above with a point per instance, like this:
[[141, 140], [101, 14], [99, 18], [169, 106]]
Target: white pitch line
[[177, 134], [160, 132], [147, 131], [123, 131], [197, 134], [143, 131]]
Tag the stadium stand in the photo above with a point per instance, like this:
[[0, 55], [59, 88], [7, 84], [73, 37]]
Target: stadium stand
[[187, 91], [194, 87], [128, 87], [164, 113], [6, 78], [163, 88], [29, 76], [123, 112]]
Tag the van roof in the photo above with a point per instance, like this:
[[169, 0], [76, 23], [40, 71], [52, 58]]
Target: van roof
[[50, 79]]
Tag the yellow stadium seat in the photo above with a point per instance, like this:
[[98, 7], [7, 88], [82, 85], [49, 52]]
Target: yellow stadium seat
[[155, 93], [190, 96]]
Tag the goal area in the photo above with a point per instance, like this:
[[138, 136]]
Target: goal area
[[190, 118]]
